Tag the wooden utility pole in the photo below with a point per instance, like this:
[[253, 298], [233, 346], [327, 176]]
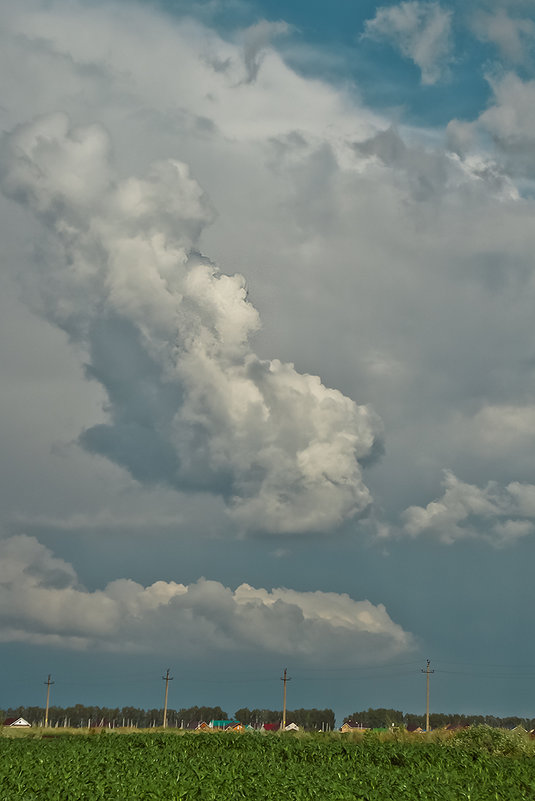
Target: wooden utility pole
[[48, 683], [285, 679], [167, 678], [427, 673]]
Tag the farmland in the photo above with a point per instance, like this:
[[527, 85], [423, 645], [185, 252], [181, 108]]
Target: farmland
[[479, 764]]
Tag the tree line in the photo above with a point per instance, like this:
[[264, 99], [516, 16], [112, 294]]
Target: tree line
[[80, 715], [309, 719], [384, 718]]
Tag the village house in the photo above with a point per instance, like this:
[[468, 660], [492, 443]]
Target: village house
[[17, 723], [223, 724], [351, 725]]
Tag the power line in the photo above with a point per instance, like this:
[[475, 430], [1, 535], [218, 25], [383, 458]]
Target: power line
[[486, 664], [359, 667], [365, 677], [477, 674]]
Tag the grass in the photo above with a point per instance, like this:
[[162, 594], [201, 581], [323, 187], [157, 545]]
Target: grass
[[480, 764]]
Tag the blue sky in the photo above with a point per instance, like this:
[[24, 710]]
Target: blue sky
[[267, 359], [326, 40]]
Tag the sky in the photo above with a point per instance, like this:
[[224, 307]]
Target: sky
[[266, 352]]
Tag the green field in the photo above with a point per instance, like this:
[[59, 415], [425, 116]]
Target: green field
[[480, 764]]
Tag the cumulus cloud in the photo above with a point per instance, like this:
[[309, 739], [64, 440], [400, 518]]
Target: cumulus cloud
[[500, 515], [167, 335], [420, 31], [429, 174], [42, 602], [509, 122], [307, 227], [256, 39], [498, 429], [512, 35]]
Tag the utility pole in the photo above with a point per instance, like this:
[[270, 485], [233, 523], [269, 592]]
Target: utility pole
[[167, 678], [48, 683], [285, 679], [427, 673]]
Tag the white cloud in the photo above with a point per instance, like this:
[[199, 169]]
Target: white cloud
[[500, 515], [421, 31], [91, 60], [377, 267], [168, 337], [512, 35], [41, 602], [501, 428], [512, 117], [428, 173], [256, 39], [509, 122]]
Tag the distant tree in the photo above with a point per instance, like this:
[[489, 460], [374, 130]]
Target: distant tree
[[377, 718], [437, 720], [413, 720], [197, 713], [244, 715], [131, 715], [312, 719]]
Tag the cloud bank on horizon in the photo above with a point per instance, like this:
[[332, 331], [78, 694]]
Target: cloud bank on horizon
[[43, 603]]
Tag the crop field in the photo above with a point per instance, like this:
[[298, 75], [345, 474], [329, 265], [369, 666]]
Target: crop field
[[480, 765]]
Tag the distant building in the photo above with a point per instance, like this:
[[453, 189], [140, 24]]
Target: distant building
[[351, 725], [270, 726], [223, 724], [19, 723], [291, 727]]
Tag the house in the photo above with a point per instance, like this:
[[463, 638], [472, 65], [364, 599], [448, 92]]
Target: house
[[222, 724], [237, 727], [291, 727], [202, 726], [414, 729], [351, 725], [17, 723], [270, 726]]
